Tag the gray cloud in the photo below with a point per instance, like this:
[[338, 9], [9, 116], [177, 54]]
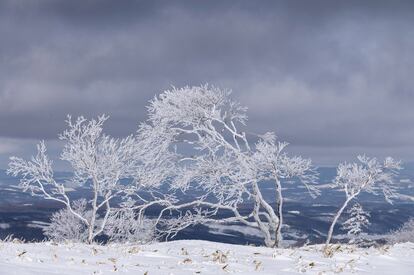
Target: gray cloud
[[325, 75]]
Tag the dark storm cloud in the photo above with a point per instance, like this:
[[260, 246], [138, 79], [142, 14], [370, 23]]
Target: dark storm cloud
[[322, 74]]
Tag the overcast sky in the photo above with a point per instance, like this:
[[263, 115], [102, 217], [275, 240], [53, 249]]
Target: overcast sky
[[333, 78]]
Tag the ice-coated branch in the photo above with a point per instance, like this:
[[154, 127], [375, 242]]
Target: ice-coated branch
[[366, 175], [98, 161], [226, 165], [36, 176]]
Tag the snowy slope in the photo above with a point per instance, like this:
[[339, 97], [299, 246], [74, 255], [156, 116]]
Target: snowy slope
[[199, 257]]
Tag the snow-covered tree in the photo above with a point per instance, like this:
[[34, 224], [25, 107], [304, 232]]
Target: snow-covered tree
[[368, 175], [98, 161], [277, 166], [357, 221], [202, 126], [126, 177]]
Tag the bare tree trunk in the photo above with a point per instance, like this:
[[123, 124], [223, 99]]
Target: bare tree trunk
[[338, 214], [94, 210], [279, 198], [262, 227], [105, 219]]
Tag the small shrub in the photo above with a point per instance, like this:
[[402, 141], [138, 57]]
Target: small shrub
[[404, 234], [65, 226]]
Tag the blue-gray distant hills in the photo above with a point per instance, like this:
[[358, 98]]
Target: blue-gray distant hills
[[23, 216]]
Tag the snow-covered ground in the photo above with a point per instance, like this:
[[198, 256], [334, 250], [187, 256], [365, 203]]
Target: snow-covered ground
[[199, 257]]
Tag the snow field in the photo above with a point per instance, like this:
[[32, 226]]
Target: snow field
[[199, 257]]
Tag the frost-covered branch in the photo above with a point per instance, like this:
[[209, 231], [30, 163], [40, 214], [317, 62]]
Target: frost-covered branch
[[367, 175], [222, 162], [98, 161]]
